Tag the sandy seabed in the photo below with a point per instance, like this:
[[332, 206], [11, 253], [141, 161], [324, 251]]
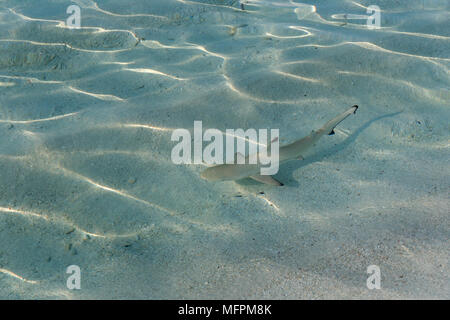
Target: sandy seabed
[[86, 177]]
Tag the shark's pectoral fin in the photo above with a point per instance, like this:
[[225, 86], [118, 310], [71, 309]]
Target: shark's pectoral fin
[[332, 132], [267, 180]]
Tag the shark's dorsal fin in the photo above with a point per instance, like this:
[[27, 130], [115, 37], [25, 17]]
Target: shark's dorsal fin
[[239, 157], [269, 147], [267, 180]]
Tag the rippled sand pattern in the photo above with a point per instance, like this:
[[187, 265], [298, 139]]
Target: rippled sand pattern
[[86, 177]]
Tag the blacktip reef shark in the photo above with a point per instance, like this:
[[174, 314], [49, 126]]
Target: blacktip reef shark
[[294, 150]]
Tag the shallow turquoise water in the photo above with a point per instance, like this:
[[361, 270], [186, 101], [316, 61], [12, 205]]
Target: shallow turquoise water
[[86, 177]]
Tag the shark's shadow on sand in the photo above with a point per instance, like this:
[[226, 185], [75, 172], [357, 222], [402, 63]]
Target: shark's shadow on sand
[[285, 173]]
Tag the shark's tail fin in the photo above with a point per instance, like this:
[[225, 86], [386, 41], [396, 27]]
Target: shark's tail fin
[[330, 125]]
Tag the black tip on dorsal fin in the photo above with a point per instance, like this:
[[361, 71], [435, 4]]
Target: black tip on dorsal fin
[[355, 106], [331, 133]]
